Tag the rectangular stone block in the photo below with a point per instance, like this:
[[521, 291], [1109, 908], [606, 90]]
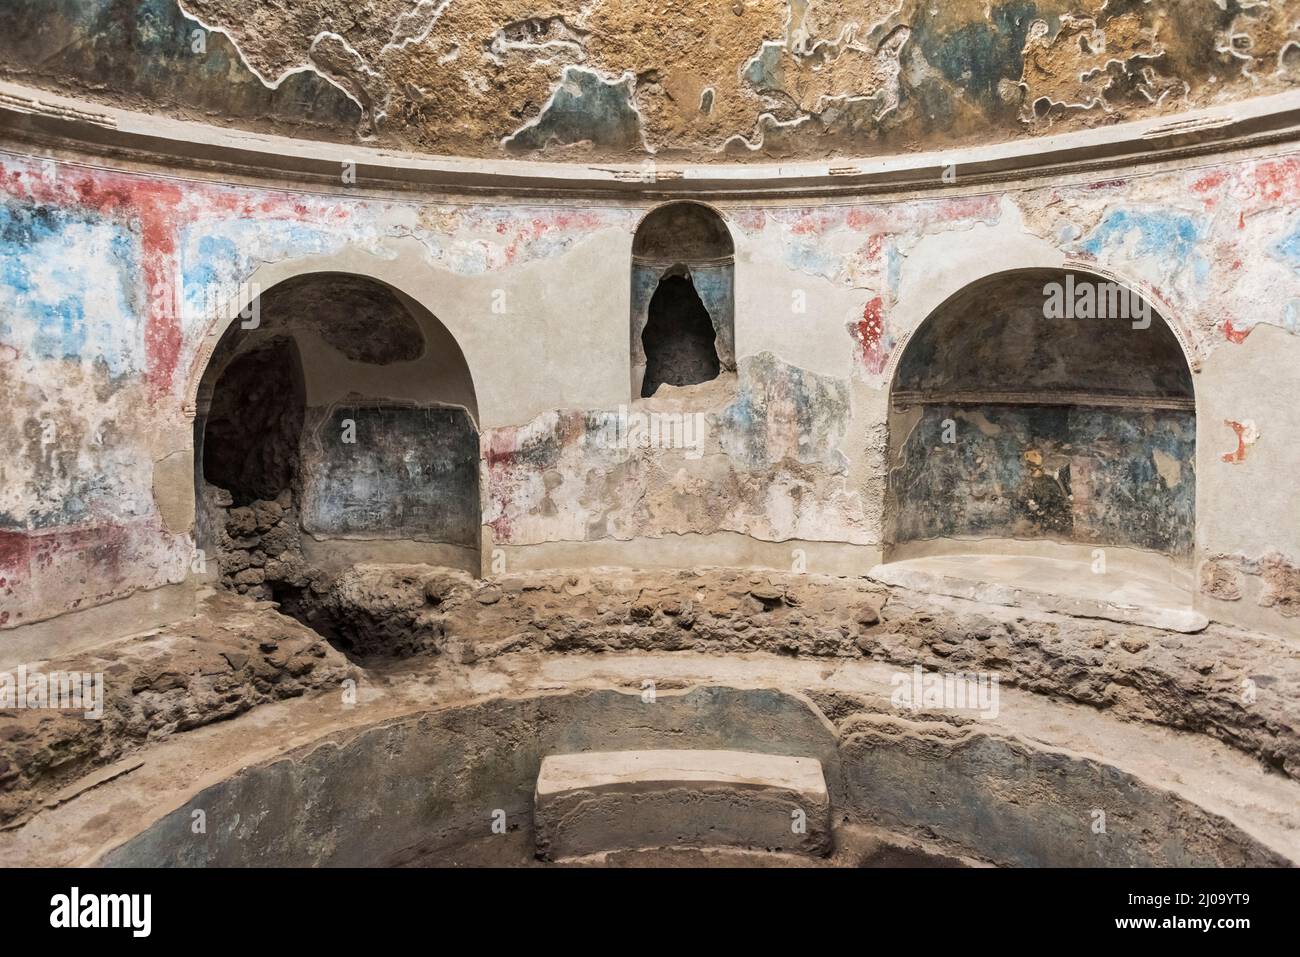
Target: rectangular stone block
[[603, 801]]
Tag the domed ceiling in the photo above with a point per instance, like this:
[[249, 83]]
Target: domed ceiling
[[691, 80]]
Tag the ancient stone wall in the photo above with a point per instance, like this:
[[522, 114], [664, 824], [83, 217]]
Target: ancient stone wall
[[107, 325]]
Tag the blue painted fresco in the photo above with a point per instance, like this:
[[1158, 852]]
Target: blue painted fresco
[[758, 429], [1288, 248], [1173, 237], [585, 107], [146, 48], [1066, 472], [69, 287]]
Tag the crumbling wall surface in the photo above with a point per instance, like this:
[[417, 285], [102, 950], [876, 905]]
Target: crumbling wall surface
[[97, 501], [148, 55], [719, 79], [363, 461], [1208, 248], [80, 356], [777, 634], [410, 473], [252, 426], [258, 546], [682, 265], [1018, 414], [1100, 476], [1235, 686], [712, 284], [109, 297], [231, 659], [768, 460], [1250, 571]]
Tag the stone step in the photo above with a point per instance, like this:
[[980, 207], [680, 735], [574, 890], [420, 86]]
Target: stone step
[[1057, 586], [602, 801]]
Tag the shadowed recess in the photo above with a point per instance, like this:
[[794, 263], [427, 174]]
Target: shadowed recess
[[361, 318], [678, 338], [998, 335], [682, 232], [1044, 404], [250, 446]]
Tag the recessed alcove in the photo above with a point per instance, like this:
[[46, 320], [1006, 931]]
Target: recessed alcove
[[683, 299], [1044, 415]]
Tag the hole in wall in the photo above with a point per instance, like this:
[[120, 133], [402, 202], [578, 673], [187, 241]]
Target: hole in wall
[[250, 442], [683, 298], [248, 466], [679, 337]]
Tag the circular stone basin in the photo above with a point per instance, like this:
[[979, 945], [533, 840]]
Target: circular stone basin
[[457, 786]]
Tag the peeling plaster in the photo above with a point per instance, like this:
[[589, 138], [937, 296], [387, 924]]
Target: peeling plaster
[[718, 79], [793, 445]]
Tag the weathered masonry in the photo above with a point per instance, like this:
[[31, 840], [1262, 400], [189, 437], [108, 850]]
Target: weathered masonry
[[476, 349], [891, 406], [337, 417]]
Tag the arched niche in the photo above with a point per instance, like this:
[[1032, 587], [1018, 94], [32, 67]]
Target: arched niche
[[335, 422], [1043, 404], [683, 298]]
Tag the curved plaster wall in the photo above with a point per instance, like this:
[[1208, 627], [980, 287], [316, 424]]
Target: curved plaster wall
[[98, 505], [376, 454], [1044, 404], [424, 789]]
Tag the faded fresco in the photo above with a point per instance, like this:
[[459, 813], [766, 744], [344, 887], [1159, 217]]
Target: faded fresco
[[1091, 475], [725, 79], [406, 473], [102, 314]]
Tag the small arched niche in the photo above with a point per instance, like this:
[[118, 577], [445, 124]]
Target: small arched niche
[[335, 423], [1042, 405], [683, 299]]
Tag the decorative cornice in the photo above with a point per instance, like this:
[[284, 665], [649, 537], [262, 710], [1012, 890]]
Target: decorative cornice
[[32, 119]]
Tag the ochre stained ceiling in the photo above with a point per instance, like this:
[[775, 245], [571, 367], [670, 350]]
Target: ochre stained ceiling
[[672, 79]]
